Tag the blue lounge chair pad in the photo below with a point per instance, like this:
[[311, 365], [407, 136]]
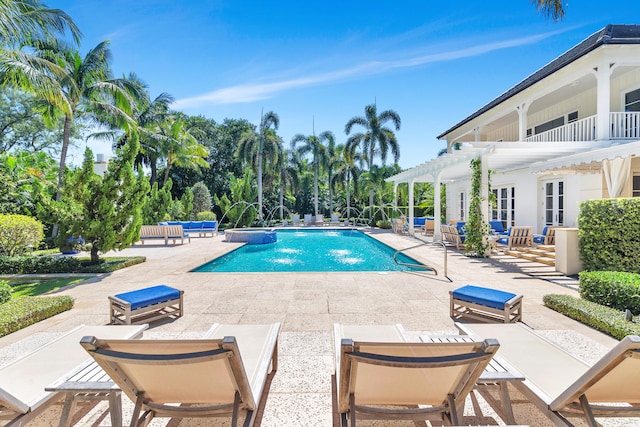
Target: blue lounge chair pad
[[483, 296], [149, 296]]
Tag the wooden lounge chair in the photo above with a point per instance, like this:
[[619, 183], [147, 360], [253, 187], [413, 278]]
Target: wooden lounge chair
[[399, 226], [221, 376], [517, 236], [381, 377], [561, 385], [548, 236], [451, 235], [23, 381]]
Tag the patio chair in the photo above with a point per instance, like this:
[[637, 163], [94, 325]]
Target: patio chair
[[295, 220], [222, 375], [451, 235], [308, 219], [517, 236], [380, 377], [547, 237], [319, 219], [335, 219], [562, 385], [399, 226], [497, 227]]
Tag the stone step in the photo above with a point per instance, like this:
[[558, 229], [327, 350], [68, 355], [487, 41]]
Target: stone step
[[531, 257], [538, 252]]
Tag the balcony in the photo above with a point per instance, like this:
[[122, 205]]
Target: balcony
[[623, 126]]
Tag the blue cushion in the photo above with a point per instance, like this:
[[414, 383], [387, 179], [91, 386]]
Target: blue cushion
[[503, 240], [496, 226], [173, 223], [209, 224], [163, 223], [419, 221], [149, 296], [460, 226], [483, 296], [195, 225]]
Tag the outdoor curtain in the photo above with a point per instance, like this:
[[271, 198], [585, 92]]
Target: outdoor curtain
[[616, 174]]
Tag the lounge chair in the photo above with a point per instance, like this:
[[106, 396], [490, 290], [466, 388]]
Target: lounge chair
[[562, 385], [429, 227], [380, 376], [319, 219], [335, 219], [497, 227], [23, 396], [221, 375], [399, 226], [308, 219], [517, 236], [295, 220]]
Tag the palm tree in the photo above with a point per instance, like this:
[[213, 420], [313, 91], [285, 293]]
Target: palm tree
[[21, 19], [376, 138], [345, 172], [313, 144], [550, 8], [331, 156], [87, 90], [179, 146], [287, 173], [253, 147]]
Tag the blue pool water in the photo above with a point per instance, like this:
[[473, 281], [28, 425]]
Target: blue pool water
[[311, 251]]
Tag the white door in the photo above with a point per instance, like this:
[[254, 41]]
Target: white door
[[553, 202]]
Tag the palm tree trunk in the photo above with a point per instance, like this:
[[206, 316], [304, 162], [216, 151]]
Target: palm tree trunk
[[330, 194], [260, 186], [315, 188], [281, 203], [348, 197], [66, 134]]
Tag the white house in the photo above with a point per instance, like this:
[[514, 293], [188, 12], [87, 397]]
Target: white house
[[567, 133]]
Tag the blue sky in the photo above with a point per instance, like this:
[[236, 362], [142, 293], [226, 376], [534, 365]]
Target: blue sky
[[434, 63]]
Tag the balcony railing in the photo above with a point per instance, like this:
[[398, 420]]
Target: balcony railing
[[625, 125], [580, 130]]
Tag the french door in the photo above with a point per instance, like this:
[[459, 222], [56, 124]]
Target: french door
[[553, 202]]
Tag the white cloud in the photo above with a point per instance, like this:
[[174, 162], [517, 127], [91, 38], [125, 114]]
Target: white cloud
[[251, 92]]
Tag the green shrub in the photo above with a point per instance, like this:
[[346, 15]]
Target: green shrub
[[604, 319], [5, 291], [38, 265], [609, 234], [206, 216], [18, 233], [383, 224], [60, 264], [619, 290], [21, 312]]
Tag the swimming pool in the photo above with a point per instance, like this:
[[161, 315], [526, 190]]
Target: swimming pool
[[312, 251]]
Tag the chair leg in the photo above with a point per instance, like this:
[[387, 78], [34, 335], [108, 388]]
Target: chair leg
[[352, 409], [588, 414]]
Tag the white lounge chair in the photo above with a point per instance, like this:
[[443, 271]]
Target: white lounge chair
[[319, 219], [308, 219], [380, 376], [222, 375], [295, 220], [335, 219], [561, 385], [23, 381]]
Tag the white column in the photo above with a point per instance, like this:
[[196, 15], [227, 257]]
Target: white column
[[395, 195], [476, 134], [522, 120], [484, 187], [437, 213], [603, 109], [411, 232]]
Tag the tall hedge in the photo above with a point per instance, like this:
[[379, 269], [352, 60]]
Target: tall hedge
[[610, 234]]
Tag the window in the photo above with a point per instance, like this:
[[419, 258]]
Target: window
[[505, 208], [632, 100], [636, 186], [555, 123], [462, 206]]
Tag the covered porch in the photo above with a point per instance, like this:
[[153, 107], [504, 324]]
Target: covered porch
[[538, 158]]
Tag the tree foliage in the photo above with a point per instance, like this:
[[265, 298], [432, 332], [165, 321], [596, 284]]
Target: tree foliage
[[237, 211], [105, 210], [201, 199], [18, 233]]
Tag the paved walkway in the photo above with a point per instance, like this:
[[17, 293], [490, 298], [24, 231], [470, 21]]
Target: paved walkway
[[307, 305]]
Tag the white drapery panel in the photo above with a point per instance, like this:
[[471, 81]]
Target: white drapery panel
[[616, 174]]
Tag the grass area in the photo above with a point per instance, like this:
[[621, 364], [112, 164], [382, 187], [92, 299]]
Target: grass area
[[39, 287]]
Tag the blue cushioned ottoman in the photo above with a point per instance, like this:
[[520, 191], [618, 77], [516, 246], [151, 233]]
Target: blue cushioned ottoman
[[145, 305], [485, 304]]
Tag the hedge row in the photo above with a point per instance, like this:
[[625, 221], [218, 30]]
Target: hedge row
[[604, 319], [59, 264], [19, 313], [609, 234], [614, 289]]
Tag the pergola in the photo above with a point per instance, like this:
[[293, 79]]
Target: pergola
[[538, 157]]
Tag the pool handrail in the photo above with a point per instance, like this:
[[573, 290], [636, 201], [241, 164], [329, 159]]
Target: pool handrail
[[421, 266]]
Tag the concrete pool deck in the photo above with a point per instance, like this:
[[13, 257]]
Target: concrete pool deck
[[307, 305]]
